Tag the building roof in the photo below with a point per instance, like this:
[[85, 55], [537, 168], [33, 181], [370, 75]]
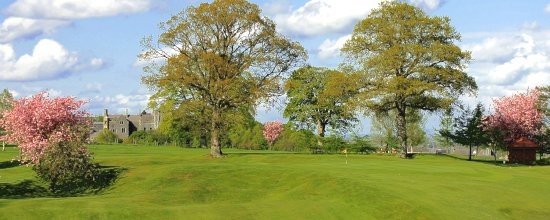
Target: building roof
[[523, 143]]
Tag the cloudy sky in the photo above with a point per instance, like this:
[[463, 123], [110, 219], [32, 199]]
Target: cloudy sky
[[89, 48]]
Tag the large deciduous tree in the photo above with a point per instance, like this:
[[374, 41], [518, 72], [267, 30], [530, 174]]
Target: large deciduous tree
[[318, 97], [384, 129], [223, 55], [408, 60]]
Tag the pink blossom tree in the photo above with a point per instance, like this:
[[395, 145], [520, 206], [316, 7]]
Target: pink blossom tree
[[271, 131], [517, 116], [38, 122]]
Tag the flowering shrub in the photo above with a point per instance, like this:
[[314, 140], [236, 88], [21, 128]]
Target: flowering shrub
[[50, 133], [36, 122], [517, 116], [272, 130]]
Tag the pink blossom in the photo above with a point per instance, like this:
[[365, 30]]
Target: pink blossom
[[517, 115], [272, 130], [36, 122]]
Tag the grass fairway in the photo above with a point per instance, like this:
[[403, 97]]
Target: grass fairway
[[176, 183]]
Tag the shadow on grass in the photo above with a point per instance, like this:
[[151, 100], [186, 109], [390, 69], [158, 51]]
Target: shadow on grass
[[9, 164], [262, 153], [492, 162], [22, 190], [107, 176], [25, 189]]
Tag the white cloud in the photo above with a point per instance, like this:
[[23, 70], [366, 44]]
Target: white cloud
[[508, 59], [323, 16], [48, 60], [506, 63], [75, 9], [427, 4], [493, 49], [118, 104], [331, 48], [317, 17], [547, 8], [17, 27]]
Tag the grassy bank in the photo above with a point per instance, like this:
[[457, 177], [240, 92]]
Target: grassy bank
[[176, 183]]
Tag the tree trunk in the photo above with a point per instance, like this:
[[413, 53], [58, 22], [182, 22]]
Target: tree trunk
[[320, 132], [470, 154], [402, 128], [215, 147]]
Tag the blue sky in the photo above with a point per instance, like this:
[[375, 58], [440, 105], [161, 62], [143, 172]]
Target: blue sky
[[89, 48]]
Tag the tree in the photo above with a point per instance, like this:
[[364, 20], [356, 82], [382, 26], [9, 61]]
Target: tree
[[408, 60], [517, 116], [35, 123], [295, 139], [468, 129], [248, 134], [50, 133], [383, 132], [543, 106], [445, 126], [271, 131], [6, 98], [384, 129], [318, 97], [106, 136], [543, 103], [223, 55]]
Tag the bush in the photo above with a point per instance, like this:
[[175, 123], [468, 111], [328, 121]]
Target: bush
[[106, 136], [67, 167], [334, 144], [295, 140], [147, 137], [361, 145]]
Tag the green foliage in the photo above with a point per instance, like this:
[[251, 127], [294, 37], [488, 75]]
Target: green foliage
[[228, 56], [153, 137], [247, 135], [67, 168], [544, 103], [295, 140], [445, 126], [5, 100], [384, 129], [106, 136], [406, 60], [318, 97], [5, 104], [468, 129], [334, 144], [361, 144]]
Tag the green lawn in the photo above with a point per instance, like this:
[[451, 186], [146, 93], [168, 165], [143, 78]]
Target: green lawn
[[176, 183]]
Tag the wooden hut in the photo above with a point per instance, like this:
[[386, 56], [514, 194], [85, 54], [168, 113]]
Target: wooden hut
[[522, 150]]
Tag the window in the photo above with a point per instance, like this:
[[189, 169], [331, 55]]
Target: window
[[121, 122], [123, 130]]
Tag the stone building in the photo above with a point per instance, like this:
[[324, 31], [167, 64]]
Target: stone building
[[124, 125]]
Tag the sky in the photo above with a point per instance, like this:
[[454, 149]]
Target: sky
[[88, 48]]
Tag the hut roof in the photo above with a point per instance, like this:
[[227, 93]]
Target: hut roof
[[523, 143]]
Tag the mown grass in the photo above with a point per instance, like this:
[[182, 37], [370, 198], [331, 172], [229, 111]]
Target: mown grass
[[176, 183]]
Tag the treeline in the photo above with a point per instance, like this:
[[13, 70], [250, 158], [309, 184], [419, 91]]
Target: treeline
[[246, 135]]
